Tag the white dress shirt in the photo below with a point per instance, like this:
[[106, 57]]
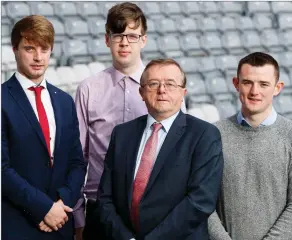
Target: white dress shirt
[[166, 124], [46, 100]]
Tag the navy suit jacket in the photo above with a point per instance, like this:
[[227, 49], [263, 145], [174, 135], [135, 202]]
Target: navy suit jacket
[[183, 187], [29, 185]]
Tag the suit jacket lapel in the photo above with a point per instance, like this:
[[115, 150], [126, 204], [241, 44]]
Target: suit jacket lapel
[[54, 94], [132, 152], [175, 132], [20, 97]]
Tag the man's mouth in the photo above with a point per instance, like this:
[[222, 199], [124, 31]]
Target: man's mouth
[[124, 53], [254, 100], [36, 66]]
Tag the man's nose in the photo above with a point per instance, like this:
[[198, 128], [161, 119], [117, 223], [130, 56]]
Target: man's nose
[[37, 55], [161, 88], [254, 89], [124, 41]]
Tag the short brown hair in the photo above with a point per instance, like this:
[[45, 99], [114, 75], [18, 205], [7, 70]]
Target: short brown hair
[[259, 59], [34, 28], [164, 62], [120, 15]]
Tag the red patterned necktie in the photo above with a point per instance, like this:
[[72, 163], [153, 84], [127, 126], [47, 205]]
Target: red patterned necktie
[[144, 172], [42, 116]]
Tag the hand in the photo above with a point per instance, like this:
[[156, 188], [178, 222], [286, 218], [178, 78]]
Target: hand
[[66, 209], [78, 233], [57, 216], [44, 227]]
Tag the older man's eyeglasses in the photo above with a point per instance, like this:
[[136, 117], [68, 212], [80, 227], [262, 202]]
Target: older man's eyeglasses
[[131, 37], [169, 86]]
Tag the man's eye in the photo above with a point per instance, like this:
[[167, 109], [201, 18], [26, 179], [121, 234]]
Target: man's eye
[[116, 36], [28, 49], [133, 37], [153, 84]]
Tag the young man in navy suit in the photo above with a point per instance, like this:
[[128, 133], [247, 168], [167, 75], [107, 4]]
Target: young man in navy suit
[[42, 162], [163, 170]]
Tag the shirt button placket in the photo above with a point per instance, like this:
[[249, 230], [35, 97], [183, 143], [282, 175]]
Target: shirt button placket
[[127, 103]]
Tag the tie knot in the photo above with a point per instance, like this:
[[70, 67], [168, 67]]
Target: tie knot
[[156, 127], [37, 90]]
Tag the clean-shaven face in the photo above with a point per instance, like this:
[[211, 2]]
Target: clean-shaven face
[[257, 86], [127, 54], [32, 60], [162, 103]]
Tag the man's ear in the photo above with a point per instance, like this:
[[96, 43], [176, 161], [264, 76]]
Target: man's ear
[[14, 49], [107, 40], [185, 93], [278, 88], [144, 41], [141, 92], [235, 81]]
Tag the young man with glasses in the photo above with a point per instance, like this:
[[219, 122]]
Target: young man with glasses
[[162, 170], [109, 98]]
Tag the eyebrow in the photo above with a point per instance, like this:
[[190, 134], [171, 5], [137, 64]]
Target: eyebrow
[[247, 80], [126, 34], [168, 80], [34, 47]]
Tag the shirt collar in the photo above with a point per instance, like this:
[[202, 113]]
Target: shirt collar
[[268, 121], [166, 123], [26, 83], [137, 75], [118, 76]]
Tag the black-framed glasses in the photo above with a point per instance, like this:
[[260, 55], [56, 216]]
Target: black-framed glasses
[[131, 37], [169, 86]]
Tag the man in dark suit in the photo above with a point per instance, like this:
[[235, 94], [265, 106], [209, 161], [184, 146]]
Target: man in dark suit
[[163, 170], [42, 162]]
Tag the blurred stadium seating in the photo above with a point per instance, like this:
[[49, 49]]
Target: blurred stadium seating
[[206, 38]]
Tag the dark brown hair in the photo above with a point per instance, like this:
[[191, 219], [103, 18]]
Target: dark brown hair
[[259, 59], [164, 62], [120, 15], [33, 28]]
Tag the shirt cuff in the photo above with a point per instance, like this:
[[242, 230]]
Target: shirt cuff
[[79, 218]]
